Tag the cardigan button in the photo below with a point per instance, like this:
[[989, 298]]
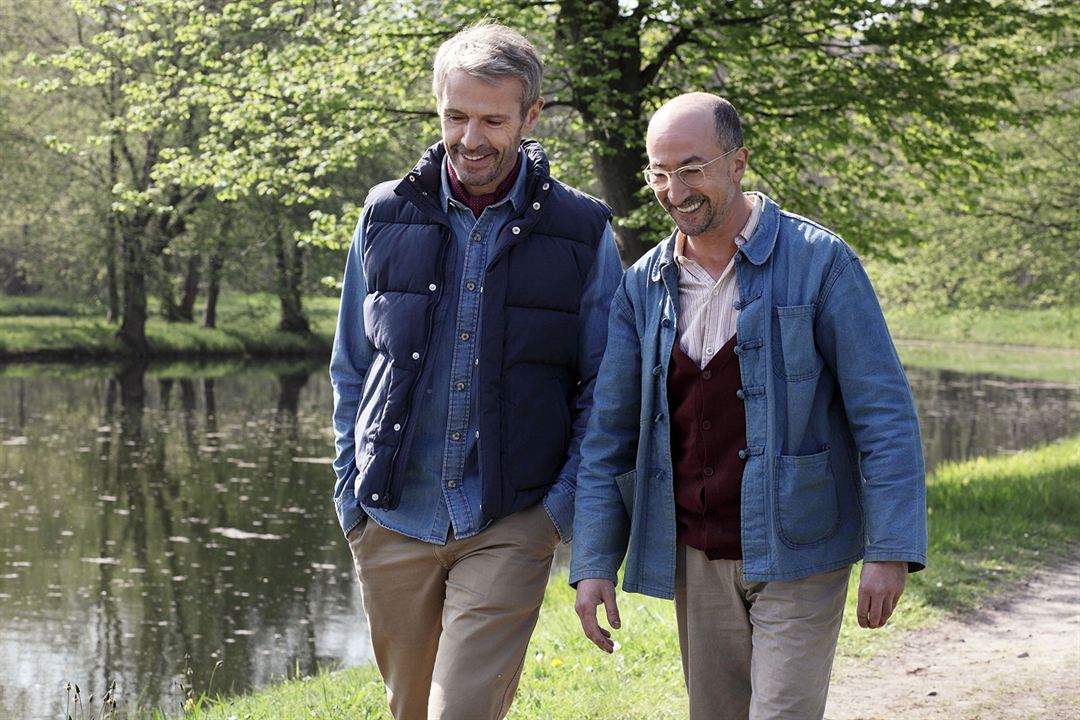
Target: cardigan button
[[708, 472]]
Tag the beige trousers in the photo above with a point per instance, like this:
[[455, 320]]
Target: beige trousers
[[760, 650], [450, 624]]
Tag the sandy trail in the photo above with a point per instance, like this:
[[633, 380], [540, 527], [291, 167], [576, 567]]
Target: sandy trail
[[1018, 658]]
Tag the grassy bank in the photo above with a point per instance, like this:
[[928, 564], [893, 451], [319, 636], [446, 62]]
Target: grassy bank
[[247, 325], [992, 521]]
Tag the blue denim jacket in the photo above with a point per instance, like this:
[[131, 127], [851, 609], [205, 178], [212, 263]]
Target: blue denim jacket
[[443, 491], [834, 468]]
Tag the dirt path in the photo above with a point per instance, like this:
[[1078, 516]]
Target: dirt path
[[1019, 658]]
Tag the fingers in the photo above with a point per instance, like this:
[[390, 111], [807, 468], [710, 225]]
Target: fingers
[[880, 588], [590, 594]]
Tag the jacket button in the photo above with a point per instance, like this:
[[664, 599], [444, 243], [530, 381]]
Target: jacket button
[[742, 454], [666, 322], [465, 337], [431, 287], [546, 186], [374, 497], [416, 356], [738, 350], [412, 178], [451, 484], [397, 427], [455, 436], [740, 394], [536, 206], [516, 230], [460, 386], [738, 257], [470, 285]]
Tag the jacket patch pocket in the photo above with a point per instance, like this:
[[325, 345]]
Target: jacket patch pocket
[[796, 355], [807, 510], [627, 487]]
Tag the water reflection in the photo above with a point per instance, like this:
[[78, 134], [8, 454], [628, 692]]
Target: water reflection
[[146, 526], [153, 514]]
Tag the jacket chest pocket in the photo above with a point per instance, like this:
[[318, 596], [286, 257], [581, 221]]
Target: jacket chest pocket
[[795, 356]]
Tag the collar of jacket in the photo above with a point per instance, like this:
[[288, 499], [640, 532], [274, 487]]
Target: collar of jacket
[[422, 185], [757, 249]]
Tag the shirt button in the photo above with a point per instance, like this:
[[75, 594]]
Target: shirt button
[[516, 230], [464, 336], [708, 472], [709, 350], [740, 394], [706, 375], [706, 424], [416, 356], [455, 436], [397, 427], [451, 484], [431, 287], [470, 285], [460, 386], [742, 454]]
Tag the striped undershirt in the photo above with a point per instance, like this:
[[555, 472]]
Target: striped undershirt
[[707, 313]]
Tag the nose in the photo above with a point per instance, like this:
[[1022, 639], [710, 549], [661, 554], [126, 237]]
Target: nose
[[473, 136], [677, 190]]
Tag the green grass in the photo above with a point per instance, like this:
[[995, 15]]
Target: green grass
[[247, 325], [1056, 365], [1053, 328], [992, 522]]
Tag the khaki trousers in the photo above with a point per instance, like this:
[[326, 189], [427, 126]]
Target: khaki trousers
[[760, 650], [450, 624]]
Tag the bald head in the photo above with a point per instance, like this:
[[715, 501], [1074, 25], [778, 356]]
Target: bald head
[[698, 105]]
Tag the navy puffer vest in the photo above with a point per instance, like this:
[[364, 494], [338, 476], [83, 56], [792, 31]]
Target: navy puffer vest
[[528, 374]]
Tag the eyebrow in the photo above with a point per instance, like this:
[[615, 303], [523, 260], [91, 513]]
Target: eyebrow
[[692, 160], [454, 111]]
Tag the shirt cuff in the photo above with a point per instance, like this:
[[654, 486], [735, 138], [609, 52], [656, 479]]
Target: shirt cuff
[[559, 505]]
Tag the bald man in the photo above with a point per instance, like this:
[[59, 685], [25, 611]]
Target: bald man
[[752, 436]]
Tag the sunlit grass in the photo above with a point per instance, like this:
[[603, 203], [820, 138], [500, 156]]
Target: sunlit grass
[[247, 325], [992, 521], [1055, 328]]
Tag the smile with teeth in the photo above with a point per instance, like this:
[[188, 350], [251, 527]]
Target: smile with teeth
[[690, 206]]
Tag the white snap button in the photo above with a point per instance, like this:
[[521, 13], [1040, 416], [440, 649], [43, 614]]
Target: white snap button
[[431, 287], [516, 230], [536, 206], [374, 497], [416, 356], [547, 185], [397, 427]]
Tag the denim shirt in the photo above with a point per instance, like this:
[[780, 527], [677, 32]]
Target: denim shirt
[[834, 468], [443, 487]]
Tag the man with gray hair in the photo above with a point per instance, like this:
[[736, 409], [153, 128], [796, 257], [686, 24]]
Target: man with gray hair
[[472, 323], [752, 436]]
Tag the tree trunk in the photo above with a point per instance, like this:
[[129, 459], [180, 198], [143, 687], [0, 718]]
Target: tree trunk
[[112, 287], [213, 288], [132, 330], [186, 308], [290, 270], [607, 84], [167, 290]]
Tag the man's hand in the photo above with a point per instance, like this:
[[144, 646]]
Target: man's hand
[[880, 586], [591, 593]]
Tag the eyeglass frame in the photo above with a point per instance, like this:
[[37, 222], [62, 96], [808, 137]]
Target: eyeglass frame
[[666, 174]]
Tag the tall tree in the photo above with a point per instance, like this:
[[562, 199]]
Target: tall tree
[[833, 94]]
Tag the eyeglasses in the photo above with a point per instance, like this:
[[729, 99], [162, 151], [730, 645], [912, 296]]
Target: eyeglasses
[[690, 175]]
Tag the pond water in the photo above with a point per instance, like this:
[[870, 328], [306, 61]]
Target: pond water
[[165, 525]]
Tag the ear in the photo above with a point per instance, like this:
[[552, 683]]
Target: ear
[[531, 116], [739, 161]]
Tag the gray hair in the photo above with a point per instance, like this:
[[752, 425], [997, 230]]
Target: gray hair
[[490, 51], [728, 124]]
